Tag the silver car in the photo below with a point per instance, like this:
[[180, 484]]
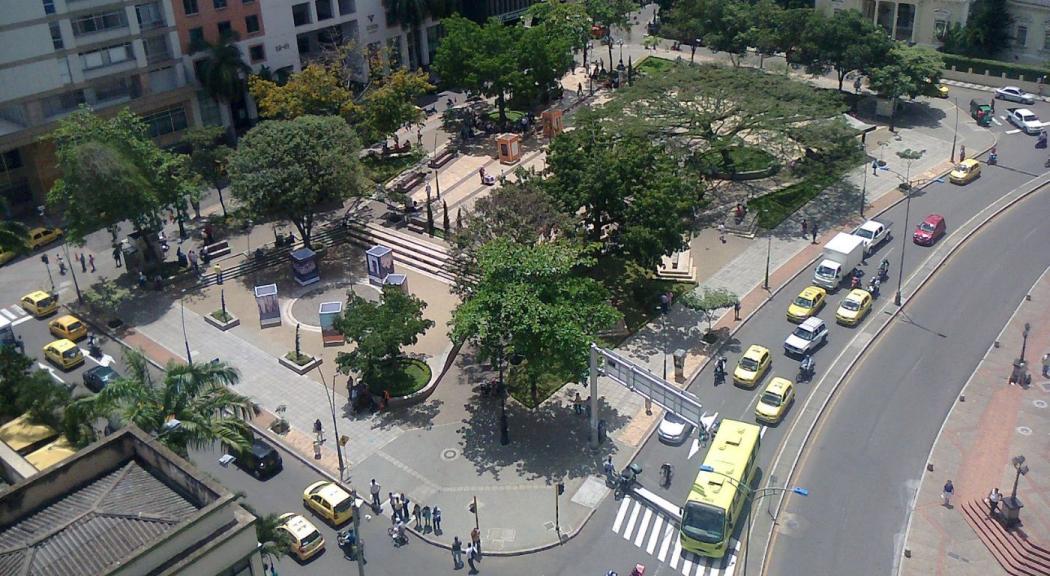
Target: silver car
[[674, 429], [1014, 94]]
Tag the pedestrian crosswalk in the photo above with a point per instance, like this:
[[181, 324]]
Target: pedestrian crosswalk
[[657, 534], [14, 314]]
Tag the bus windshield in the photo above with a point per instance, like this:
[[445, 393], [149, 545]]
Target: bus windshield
[[704, 522]]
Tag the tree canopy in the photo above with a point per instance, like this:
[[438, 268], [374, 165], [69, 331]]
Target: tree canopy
[[910, 71], [291, 168], [844, 42], [209, 157]]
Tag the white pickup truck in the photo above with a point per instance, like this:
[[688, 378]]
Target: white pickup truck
[[874, 233], [1024, 119]]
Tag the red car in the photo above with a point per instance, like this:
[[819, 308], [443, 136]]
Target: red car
[[929, 230]]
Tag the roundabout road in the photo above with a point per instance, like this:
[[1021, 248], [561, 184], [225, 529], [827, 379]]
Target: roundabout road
[[865, 461]]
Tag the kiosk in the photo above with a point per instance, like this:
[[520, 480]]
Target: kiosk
[[509, 148], [304, 266]]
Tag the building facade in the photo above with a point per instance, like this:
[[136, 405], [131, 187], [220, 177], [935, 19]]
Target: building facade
[[59, 54], [505, 10]]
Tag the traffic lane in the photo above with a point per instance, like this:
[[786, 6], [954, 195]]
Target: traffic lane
[[769, 326], [867, 457], [36, 335]]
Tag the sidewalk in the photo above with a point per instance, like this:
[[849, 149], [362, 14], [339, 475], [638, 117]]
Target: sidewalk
[[994, 422]]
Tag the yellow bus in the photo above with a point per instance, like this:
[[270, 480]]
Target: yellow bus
[[720, 489]]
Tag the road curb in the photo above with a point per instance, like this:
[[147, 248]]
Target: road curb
[[852, 363]]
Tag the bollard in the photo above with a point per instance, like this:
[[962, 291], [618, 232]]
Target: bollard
[[317, 450], [929, 467]]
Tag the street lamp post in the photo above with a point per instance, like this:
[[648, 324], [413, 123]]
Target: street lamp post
[[72, 270], [769, 253], [504, 430], [909, 156], [1024, 339], [185, 339], [330, 395]]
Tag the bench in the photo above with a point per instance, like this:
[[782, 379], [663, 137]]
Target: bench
[[443, 158], [387, 151], [217, 249], [405, 186]]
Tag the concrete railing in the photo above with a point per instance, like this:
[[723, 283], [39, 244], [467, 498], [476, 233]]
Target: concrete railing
[[995, 80]]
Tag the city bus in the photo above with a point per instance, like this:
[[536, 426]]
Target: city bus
[[717, 497]]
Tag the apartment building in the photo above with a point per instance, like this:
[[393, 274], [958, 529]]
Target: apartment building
[[59, 54]]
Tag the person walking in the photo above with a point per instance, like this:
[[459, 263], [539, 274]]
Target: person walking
[[83, 263], [722, 232], [962, 152], [116, 255], [218, 273], [457, 553], [946, 493], [91, 261], [193, 262], [814, 231], [1046, 365], [417, 514], [805, 228], [475, 541], [610, 470], [426, 518], [994, 498], [874, 167], [61, 265], [377, 505], [577, 405], [736, 310], [437, 520], [472, 556], [404, 507], [396, 505]]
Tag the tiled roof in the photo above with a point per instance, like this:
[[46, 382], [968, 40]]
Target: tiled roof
[[94, 527]]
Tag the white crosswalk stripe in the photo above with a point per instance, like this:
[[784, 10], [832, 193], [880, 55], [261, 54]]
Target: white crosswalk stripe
[[657, 535], [15, 314]]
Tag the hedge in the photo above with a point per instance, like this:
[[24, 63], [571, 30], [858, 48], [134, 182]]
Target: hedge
[[994, 67]]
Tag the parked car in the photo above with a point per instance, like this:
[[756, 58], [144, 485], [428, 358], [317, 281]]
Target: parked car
[[965, 172], [42, 237], [674, 429], [97, 378], [806, 337], [752, 366], [929, 230], [260, 460], [1014, 94], [329, 501], [1024, 119]]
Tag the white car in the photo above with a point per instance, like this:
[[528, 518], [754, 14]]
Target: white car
[[806, 337], [674, 429], [1024, 119], [1014, 94]]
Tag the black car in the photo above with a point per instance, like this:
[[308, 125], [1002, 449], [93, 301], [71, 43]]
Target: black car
[[260, 460], [98, 377]]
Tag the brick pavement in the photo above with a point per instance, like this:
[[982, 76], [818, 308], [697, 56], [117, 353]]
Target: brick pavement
[[990, 423]]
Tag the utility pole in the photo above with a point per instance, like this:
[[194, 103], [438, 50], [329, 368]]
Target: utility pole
[[330, 395]]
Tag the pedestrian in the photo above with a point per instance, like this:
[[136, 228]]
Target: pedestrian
[[946, 493], [218, 273], [805, 228], [83, 263], [472, 555], [993, 105], [609, 469], [91, 261], [419, 137], [577, 405], [587, 407], [1046, 365], [994, 498], [579, 90], [353, 398], [142, 279], [395, 504], [417, 514], [437, 520], [736, 310], [962, 152], [722, 232], [61, 265], [648, 406], [814, 232], [874, 167], [475, 542], [193, 262], [457, 553], [426, 518], [116, 255], [404, 507], [377, 505]]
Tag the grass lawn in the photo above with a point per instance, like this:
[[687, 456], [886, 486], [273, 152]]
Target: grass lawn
[[743, 159], [635, 297], [652, 64], [381, 170], [512, 115], [518, 387], [409, 376]]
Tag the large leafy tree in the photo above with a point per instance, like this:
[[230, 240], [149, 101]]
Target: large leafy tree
[[987, 30], [24, 389], [111, 171], [379, 331], [911, 71], [389, 103], [12, 232], [727, 26], [685, 22], [568, 20], [291, 168], [483, 59], [844, 42], [611, 14], [209, 157], [533, 302], [197, 395], [222, 71], [319, 89]]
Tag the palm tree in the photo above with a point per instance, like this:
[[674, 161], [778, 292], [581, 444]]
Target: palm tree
[[197, 395], [273, 543], [222, 71]]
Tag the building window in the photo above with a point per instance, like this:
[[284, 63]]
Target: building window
[[301, 14], [166, 121], [257, 53], [189, 7], [1021, 38], [156, 49], [1046, 39], [56, 35], [62, 103], [100, 22], [224, 29], [150, 16], [114, 89], [247, 2], [196, 38], [324, 9], [347, 7], [49, 6], [218, 4], [251, 24], [106, 56], [10, 160]]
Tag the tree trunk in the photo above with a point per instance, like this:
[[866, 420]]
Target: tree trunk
[[610, 50], [842, 76], [501, 100], [218, 188], [585, 46], [692, 53]]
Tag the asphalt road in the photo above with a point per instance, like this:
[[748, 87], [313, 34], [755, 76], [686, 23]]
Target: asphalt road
[[866, 460]]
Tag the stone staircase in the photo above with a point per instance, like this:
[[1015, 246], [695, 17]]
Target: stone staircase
[[409, 250], [1013, 549]]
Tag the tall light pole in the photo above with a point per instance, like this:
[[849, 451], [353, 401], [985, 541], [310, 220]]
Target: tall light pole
[[330, 395], [185, 339], [909, 156], [769, 254], [955, 136], [1024, 339]]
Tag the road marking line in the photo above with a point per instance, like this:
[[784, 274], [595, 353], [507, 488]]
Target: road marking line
[[1015, 131], [762, 432], [676, 554], [620, 514], [687, 564], [655, 535], [997, 122], [667, 542], [630, 523], [22, 319], [640, 537], [731, 564], [9, 315], [50, 370], [694, 448]]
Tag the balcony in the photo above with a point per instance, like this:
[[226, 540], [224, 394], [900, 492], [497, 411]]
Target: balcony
[[164, 80]]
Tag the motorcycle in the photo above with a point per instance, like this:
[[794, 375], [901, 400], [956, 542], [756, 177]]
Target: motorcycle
[[806, 369], [94, 350], [873, 287], [347, 540], [628, 478], [884, 270]]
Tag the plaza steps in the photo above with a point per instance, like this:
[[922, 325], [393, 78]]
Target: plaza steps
[[1013, 549], [409, 250]]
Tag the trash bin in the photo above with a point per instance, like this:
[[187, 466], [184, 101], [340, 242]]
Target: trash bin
[[679, 363]]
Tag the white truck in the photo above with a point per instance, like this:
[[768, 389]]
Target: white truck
[[841, 255], [874, 233], [1024, 119]]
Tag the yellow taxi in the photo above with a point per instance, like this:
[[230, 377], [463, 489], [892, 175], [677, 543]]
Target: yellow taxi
[[854, 307], [40, 303], [64, 354], [329, 501], [807, 303], [42, 237], [965, 171], [307, 542], [68, 327], [775, 400], [941, 91], [752, 366]]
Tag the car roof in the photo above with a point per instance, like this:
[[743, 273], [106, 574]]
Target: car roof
[[933, 218], [1011, 88], [37, 295], [295, 523], [969, 162], [63, 344], [67, 319], [329, 491], [260, 448], [778, 385], [857, 294], [102, 371], [812, 323], [812, 291], [755, 351], [1024, 111]]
